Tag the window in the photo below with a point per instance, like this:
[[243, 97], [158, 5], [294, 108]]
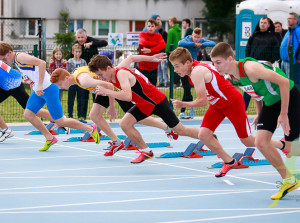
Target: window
[[101, 28], [74, 25], [29, 28], [136, 26]]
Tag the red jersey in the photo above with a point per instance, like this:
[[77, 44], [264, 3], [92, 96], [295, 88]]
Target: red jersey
[[154, 42], [144, 94], [220, 92]]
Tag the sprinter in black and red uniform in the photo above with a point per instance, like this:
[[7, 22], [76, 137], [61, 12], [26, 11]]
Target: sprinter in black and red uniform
[[148, 99]]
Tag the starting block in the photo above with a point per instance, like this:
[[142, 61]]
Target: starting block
[[130, 145], [55, 130], [88, 138], [192, 151], [244, 160]]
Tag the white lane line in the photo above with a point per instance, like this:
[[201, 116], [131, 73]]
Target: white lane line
[[102, 167], [100, 176], [126, 201], [228, 182], [233, 217], [166, 164], [48, 157], [142, 211], [102, 183], [125, 176], [128, 192]]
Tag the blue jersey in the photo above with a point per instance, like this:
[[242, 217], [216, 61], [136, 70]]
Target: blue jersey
[[9, 78]]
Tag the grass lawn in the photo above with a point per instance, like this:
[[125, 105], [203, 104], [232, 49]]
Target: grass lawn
[[11, 111]]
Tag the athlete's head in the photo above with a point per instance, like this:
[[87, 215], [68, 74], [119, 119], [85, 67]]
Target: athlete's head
[[182, 61], [197, 35], [151, 26], [62, 78], [102, 66], [222, 56], [6, 53]]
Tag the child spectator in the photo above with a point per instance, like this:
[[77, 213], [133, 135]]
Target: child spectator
[[73, 63], [57, 61]]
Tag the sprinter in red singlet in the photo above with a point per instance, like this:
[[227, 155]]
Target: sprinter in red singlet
[[225, 101], [148, 99]]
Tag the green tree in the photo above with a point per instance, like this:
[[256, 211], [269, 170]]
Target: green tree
[[221, 17], [65, 38]]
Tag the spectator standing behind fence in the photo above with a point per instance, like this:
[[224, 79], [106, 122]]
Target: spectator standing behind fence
[[193, 43], [162, 70], [174, 36], [186, 25], [263, 44], [57, 61], [74, 90], [150, 43], [279, 29], [89, 47], [291, 38]]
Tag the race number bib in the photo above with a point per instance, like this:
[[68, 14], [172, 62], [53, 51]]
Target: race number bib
[[250, 90]]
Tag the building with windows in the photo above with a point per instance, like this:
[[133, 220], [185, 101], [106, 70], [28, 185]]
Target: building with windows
[[98, 17]]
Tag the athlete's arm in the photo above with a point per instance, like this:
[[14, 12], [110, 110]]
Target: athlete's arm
[[256, 71], [86, 80], [137, 58], [125, 94], [28, 59], [197, 77], [258, 106]]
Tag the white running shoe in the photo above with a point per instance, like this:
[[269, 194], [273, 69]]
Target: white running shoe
[[6, 134]]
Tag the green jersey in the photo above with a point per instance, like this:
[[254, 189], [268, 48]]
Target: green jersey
[[263, 89]]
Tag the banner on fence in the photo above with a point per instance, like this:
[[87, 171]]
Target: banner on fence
[[133, 38], [115, 39]]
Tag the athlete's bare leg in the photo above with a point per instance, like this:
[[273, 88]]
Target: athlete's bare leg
[[96, 116], [73, 123], [127, 124], [37, 123], [2, 123], [250, 142], [150, 121], [207, 138], [263, 143], [43, 113], [64, 122], [183, 130]]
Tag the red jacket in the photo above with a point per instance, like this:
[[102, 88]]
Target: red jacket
[[154, 42]]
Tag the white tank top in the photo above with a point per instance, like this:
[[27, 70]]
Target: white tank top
[[30, 74]]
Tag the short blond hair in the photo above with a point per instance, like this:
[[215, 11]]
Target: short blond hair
[[76, 46], [181, 54], [197, 31], [174, 20]]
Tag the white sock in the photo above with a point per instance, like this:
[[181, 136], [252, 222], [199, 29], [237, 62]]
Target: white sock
[[291, 180], [117, 142], [147, 150], [168, 130]]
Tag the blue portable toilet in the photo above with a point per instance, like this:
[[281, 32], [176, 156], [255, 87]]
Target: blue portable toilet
[[248, 14]]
